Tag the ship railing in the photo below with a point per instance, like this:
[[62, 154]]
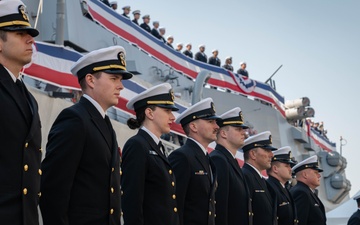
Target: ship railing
[[220, 77]]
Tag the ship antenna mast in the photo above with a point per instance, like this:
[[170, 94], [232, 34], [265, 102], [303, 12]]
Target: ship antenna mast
[[40, 7], [60, 18], [272, 83], [342, 144]]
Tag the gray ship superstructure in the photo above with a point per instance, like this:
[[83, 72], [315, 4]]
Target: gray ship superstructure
[[84, 26]]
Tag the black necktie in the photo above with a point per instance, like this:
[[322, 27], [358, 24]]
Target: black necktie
[[286, 193], [24, 101], [21, 87], [162, 148], [108, 123], [317, 200], [210, 170], [264, 181]]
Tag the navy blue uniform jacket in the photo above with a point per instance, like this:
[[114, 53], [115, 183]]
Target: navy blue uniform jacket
[[81, 171], [155, 33], [309, 207], [148, 183], [200, 57], [20, 154], [233, 204], [214, 61], [284, 203], [355, 218], [262, 202], [145, 27], [195, 189], [188, 53]]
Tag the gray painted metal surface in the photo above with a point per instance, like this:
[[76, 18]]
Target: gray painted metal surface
[[83, 34]]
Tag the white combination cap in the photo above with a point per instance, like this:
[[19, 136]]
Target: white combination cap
[[309, 163], [13, 17], [146, 16], [205, 109], [356, 197], [283, 155], [136, 12], [160, 95], [110, 60], [232, 117], [261, 140]]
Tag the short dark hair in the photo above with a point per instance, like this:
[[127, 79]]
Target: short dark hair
[[186, 129], [140, 117], [226, 128], [3, 35], [246, 155], [275, 163], [82, 82]]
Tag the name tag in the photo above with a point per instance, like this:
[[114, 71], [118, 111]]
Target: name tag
[[200, 172], [151, 152], [260, 191], [284, 203]]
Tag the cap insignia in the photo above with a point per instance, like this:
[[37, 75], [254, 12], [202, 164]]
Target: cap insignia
[[241, 116], [213, 107], [171, 92], [270, 139], [121, 57], [22, 10]]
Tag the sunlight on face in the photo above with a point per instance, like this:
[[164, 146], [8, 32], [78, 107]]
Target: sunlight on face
[[263, 158], [107, 89], [163, 119]]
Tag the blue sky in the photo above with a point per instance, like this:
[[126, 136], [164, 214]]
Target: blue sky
[[317, 42]]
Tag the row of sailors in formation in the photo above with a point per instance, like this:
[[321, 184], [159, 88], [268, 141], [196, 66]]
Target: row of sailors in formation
[[84, 179], [159, 33], [189, 186]]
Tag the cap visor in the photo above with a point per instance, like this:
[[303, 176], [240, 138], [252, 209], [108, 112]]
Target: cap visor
[[292, 163], [269, 147], [211, 118], [33, 32], [172, 107], [125, 74], [239, 125]]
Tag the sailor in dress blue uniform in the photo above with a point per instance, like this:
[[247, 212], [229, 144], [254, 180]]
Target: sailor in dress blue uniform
[[148, 182], [194, 171], [258, 154], [20, 128], [233, 203], [81, 170], [279, 174], [310, 209]]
